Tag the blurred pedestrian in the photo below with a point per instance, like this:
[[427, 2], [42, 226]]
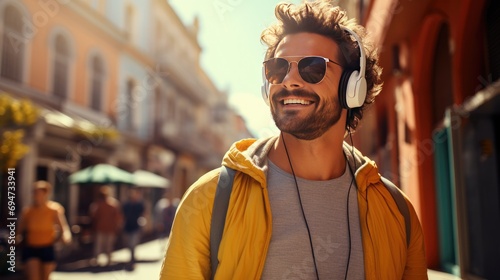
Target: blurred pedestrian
[[165, 212], [107, 220], [41, 225], [170, 213], [160, 217], [133, 211]]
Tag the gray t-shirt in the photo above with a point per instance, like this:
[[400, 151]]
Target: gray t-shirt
[[325, 207]]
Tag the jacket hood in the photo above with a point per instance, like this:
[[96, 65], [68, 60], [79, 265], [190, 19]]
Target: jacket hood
[[366, 171], [250, 157]]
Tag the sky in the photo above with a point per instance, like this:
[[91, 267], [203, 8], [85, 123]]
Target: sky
[[232, 53]]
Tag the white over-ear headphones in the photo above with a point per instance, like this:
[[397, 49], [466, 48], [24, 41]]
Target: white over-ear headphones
[[352, 86]]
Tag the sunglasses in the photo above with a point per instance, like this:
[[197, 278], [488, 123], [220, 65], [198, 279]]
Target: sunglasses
[[312, 69]]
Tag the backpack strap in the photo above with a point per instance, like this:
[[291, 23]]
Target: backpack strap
[[402, 206], [219, 211]]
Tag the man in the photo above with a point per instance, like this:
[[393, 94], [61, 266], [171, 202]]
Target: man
[[41, 225], [107, 221], [164, 214], [133, 211], [304, 205]]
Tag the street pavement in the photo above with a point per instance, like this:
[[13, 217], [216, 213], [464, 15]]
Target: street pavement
[[149, 258]]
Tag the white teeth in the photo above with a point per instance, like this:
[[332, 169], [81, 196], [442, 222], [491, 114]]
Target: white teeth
[[296, 101]]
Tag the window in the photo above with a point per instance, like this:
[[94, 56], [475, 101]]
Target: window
[[171, 108], [128, 116], [158, 113], [12, 45], [130, 23], [219, 113], [159, 38], [93, 3], [98, 5], [61, 67], [442, 96], [96, 83]]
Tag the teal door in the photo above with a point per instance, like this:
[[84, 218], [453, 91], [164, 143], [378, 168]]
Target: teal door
[[446, 203]]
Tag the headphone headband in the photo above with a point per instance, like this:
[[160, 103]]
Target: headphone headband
[[362, 56]]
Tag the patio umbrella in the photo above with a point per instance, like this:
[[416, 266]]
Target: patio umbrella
[[101, 174], [143, 178]]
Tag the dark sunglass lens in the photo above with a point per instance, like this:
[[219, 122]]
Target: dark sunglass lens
[[276, 70], [312, 69]]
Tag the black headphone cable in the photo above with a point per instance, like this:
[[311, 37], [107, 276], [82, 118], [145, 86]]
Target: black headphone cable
[[302, 209], [304, 215]]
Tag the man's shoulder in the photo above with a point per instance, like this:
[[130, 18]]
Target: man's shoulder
[[204, 187], [112, 204], [207, 179], [55, 206]]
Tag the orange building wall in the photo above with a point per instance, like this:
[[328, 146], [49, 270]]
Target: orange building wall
[[423, 58], [85, 38], [464, 18], [467, 62]]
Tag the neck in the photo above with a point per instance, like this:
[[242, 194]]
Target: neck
[[39, 203], [319, 159]]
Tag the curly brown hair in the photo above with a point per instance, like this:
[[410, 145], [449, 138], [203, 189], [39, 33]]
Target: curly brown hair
[[322, 17]]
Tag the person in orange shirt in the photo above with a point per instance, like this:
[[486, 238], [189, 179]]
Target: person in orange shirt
[[41, 225]]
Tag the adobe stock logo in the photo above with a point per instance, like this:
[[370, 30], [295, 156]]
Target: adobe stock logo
[[223, 6]]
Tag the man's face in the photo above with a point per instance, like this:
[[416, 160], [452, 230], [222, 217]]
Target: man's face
[[40, 196], [300, 108]]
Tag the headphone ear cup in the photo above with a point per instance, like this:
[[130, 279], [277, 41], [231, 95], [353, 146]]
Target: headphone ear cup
[[352, 90], [356, 90], [343, 84]]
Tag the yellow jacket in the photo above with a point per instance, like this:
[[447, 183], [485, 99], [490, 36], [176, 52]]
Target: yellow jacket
[[248, 227]]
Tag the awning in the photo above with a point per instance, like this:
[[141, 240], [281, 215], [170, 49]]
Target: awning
[[101, 174], [143, 178], [486, 101]]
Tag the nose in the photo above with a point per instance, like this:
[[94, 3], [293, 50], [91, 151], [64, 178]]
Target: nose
[[293, 79]]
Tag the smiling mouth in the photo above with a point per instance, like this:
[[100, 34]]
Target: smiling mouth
[[296, 102]]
